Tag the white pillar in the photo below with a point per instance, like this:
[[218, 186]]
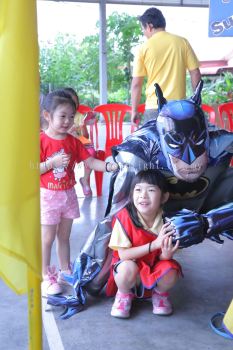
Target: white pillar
[[103, 53]]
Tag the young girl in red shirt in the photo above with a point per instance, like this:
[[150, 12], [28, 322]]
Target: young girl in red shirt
[[59, 152]]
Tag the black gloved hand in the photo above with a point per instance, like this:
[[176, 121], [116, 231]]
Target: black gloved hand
[[220, 222], [191, 227]]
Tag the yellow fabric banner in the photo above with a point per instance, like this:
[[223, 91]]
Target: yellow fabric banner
[[20, 243], [228, 319]]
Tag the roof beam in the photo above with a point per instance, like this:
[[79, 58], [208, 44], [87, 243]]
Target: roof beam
[[181, 3]]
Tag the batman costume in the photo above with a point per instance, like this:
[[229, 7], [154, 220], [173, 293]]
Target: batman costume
[[194, 157]]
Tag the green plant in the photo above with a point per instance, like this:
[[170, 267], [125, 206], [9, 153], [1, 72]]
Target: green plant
[[65, 62], [219, 90]]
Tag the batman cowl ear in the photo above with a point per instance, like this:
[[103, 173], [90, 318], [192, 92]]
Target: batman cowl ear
[[160, 99], [196, 98]]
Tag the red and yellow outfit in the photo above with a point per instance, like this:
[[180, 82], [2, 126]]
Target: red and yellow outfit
[[151, 269]]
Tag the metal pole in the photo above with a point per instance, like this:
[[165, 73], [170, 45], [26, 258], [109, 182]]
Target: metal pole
[[103, 53]]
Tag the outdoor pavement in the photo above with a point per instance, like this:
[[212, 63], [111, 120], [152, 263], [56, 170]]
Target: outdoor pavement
[[207, 288]]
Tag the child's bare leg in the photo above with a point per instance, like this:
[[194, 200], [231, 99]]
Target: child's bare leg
[[125, 279], [126, 275], [85, 182], [160, 297], [63, 243], [86, 177], [48, 233], [167, 281]]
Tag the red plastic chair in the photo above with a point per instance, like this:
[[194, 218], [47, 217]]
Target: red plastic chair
[[100, 154], [113, 114], [226, 115], [141, 110], [226, 118], [210, 113], [84, 109]]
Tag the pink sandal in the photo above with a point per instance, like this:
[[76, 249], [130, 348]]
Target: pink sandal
[[86, 189]]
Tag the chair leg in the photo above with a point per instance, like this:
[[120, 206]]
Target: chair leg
[[99, 174], [98, 183]]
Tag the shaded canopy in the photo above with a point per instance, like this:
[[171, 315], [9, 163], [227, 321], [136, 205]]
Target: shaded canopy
[[102, 34], [198, 3]]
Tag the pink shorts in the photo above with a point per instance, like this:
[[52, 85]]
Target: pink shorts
[[58, 204]]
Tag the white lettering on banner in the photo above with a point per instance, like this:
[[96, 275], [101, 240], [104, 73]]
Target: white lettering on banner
[[219, 27]]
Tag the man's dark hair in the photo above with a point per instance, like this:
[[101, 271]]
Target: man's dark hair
[[153, 16]]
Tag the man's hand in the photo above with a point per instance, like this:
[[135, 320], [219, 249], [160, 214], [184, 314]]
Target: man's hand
[[135, 118]]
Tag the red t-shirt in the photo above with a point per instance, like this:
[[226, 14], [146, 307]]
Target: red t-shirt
[[60, 178]]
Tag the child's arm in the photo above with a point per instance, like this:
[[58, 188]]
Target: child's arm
[[100, 165], [133, 253], [84, 131], [138, 252]]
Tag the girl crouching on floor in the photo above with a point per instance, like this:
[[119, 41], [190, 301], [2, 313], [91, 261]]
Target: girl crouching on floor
[[142, 246]]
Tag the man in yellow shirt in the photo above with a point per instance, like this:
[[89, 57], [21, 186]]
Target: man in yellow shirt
[[163, 59]]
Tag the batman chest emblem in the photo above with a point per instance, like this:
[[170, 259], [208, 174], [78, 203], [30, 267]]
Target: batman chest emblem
[[185, 190]]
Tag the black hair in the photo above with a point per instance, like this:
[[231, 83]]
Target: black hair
[[153, 16], [56, 98], [151, 176], [72, 93]]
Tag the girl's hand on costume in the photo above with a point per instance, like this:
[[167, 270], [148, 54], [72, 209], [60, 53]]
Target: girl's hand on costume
[[111, 167], [166, 231], [60, 160], [114, 167], [168, 249]]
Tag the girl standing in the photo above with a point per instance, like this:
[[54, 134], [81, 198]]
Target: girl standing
[[79, 130], [59, 152], [142, 248]]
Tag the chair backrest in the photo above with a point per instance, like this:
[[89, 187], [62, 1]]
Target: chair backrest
[[211, 114], [83, 109], [226, 115], [226, 118], [113, 114], [141, 110]]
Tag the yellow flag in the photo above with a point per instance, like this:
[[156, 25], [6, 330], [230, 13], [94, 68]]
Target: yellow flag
[[20, 244], [228, 320]]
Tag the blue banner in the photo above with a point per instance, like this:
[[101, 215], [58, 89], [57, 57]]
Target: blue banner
[[221, 18]]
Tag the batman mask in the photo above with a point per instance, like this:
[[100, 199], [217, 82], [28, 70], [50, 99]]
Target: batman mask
[[183, 135]]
